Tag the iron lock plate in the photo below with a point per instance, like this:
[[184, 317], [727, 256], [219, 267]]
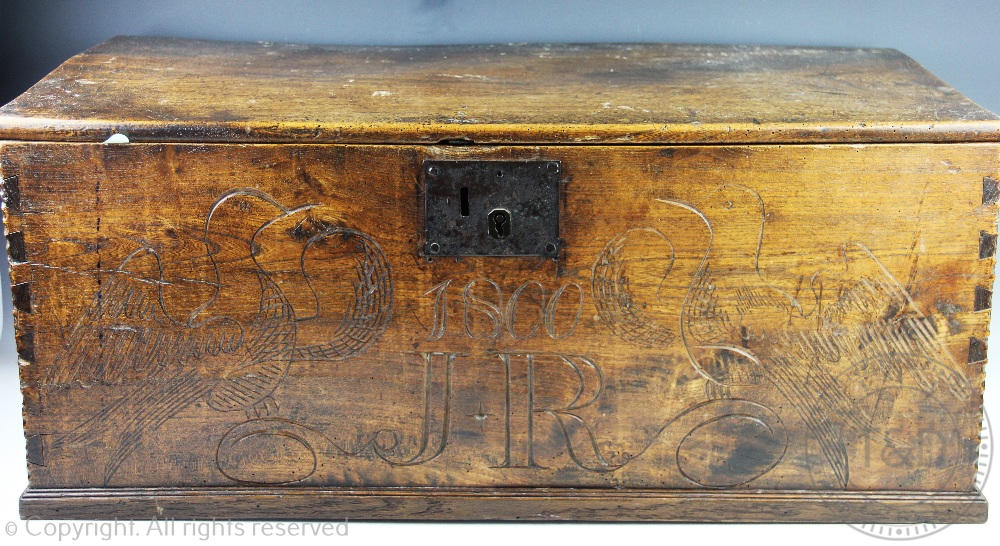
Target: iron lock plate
[[491, 208]]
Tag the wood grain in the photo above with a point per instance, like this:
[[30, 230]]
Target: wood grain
[[172, 90], [505, 504], [767, 298], [734, 318]]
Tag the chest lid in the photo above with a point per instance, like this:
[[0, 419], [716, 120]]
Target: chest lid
[[177, 90]]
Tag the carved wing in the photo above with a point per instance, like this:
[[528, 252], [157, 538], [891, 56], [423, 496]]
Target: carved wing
[[884, 334], [614, 277], [706, 321], [267, 353], [871, 332], [125, 335]]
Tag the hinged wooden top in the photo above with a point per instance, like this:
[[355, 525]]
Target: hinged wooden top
[[168, 90]]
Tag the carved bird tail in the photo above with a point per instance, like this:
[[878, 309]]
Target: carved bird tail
[[137, 415], [370, 309], [810, 395]]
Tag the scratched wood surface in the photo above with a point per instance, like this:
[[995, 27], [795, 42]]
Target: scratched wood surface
[[168, 90], [719, 317]]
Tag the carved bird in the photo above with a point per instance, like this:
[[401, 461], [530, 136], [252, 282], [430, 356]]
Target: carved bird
[[739, 329], [233, 348]]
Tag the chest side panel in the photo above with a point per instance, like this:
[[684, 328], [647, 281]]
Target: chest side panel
[[774, 317]]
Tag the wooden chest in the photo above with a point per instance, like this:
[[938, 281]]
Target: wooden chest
[[596, 282]]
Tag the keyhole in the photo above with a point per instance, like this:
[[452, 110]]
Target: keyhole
[[464, 195], [499, 221]]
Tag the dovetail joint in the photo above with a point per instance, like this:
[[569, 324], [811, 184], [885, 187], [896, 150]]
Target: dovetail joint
[[987, 245], [977, 350], [36, 449], [983, 299], [991, 190], [15, 247], [21, 296], [11, 193], [25, 346]]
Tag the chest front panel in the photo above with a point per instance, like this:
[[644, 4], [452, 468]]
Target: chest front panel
[[772, 317]]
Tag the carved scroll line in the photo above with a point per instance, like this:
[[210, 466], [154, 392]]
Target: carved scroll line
[[702, 265], [719, 409], [381, 443]]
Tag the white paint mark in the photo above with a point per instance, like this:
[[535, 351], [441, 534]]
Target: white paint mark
[[116, 138], [465, 76]]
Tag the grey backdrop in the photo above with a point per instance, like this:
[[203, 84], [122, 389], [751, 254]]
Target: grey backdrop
[[958, 40]]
